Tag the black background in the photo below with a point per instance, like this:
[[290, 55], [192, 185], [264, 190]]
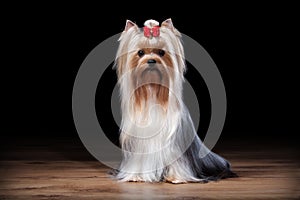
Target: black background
[[253, 47]]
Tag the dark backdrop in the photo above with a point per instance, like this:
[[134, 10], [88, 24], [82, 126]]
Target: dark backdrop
[[253, 49]]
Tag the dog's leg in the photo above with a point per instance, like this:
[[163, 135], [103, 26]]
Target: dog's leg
[[204, 163], [180, 172]]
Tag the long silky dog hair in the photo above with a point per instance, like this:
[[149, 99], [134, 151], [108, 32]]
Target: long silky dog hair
[[157, 135]]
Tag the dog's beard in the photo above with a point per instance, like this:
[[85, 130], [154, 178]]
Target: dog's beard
[[147, 114], [150, 85]]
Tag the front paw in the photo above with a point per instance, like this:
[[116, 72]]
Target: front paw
[[175, 180], [135, 179]]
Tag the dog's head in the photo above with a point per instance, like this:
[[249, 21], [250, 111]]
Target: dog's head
[[150, 61]]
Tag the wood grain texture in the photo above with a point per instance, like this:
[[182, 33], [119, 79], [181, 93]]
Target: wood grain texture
[[53, 170]]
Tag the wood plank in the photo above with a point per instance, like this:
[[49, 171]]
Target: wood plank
[[263, 174]]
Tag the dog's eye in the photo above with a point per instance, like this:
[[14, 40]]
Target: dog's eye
[[141, 53], [161, 53]]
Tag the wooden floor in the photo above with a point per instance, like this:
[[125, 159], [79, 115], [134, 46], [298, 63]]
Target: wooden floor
[[60, 169]]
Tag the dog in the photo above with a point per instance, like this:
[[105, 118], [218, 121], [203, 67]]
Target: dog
[[157, 135]]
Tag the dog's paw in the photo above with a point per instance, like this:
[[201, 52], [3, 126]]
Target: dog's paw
[[135, 179], [175, 181], [178, 182]]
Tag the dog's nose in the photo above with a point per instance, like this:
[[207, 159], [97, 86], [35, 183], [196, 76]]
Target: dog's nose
[[151, 61]]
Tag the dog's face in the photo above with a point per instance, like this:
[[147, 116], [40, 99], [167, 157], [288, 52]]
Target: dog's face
[[152, 64], [151, 72]]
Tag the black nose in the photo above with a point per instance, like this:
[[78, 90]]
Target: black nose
[[151, 61]]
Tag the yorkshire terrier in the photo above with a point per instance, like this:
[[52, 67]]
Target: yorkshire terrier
[[158, 138]]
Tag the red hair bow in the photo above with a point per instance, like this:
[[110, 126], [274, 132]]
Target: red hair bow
[[151, 32]]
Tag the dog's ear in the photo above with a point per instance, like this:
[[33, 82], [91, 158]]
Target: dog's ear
[[129, 25], [169, 24]]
